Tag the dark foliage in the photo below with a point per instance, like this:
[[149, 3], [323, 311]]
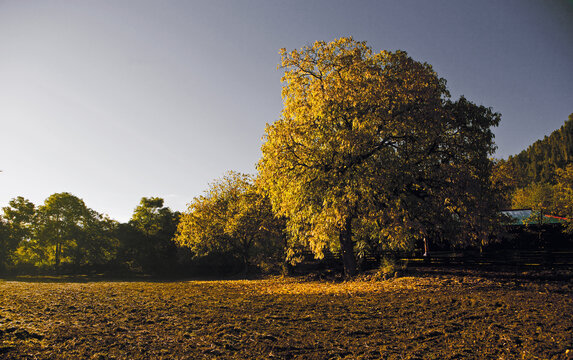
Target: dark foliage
[[540, 160]]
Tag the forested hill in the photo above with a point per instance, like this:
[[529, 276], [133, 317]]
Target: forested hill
[[538, 162]]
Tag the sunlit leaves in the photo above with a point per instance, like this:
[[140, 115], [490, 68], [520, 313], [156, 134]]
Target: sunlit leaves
[[564, 194], [232, 218], [370, 144], [538, 197]]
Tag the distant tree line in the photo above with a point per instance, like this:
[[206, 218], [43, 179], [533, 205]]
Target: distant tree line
[[230, 229], [64, 235]]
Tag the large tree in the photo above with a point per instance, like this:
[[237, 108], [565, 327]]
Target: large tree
[[369, 144]]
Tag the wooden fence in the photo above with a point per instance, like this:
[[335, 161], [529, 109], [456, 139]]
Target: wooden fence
[[522, 258], [518, 259]]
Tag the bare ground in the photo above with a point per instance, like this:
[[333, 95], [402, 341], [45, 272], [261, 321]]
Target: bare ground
[[460, 315]]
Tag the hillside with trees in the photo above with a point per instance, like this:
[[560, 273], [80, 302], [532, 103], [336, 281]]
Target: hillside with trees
[[539, 162]]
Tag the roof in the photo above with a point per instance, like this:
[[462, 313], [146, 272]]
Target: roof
[[528, 216]]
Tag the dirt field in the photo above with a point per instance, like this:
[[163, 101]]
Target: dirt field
[[431, 316]]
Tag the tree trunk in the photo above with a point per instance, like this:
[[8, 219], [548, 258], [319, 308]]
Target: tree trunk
[[246, 245], [426, 251], [347, 246], [58, 252], [287, 266], [246, 265]]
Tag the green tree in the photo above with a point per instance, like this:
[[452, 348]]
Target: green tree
[[18, 227], [61, 221], [97, 243], [149, 243], [6, 248], [370, 145], [538, 197], [149, 215], [232, 219]]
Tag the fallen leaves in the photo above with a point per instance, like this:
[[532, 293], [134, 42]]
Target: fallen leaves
[[413, 317]]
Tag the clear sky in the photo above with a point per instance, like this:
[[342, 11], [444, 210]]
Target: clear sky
[[115, 100]]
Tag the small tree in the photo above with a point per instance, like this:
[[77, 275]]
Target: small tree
[[231, 219], [17, 227], [148, 238], [538, 197]]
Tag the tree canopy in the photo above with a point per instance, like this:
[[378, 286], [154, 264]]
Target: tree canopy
[[61, 220], [370, 144]]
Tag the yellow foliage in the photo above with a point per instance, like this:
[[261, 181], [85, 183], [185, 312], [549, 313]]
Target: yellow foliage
[[362, 137], [231, 218]]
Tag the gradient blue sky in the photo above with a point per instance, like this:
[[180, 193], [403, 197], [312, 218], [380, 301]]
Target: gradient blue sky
[[116, 100]]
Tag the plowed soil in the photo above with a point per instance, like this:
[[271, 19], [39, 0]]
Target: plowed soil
[[451, 316]]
